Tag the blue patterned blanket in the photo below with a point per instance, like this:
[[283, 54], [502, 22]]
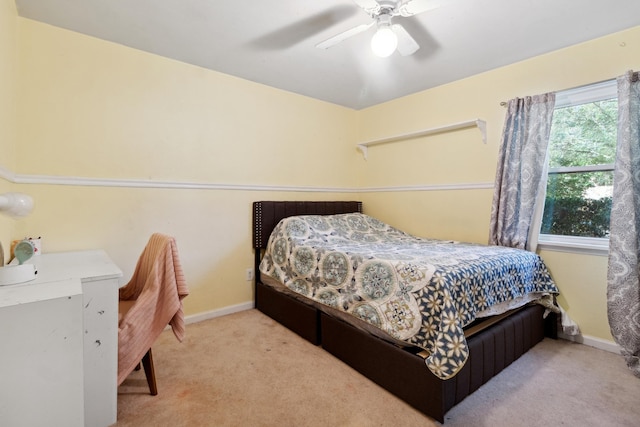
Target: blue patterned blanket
[[421, 291]]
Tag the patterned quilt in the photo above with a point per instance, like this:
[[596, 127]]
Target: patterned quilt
[[421, 291]]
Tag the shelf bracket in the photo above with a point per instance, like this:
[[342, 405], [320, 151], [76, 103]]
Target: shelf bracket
[[364, 149]]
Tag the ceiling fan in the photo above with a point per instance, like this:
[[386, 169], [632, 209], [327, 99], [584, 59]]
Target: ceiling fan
[[389, 36]]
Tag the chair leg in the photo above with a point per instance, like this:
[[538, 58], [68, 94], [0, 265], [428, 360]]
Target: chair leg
[[147, 363]]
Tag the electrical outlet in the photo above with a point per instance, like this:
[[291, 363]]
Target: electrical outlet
[[249, 274]]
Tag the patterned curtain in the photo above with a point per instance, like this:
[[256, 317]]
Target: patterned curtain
[[520, 174], [623, 275]]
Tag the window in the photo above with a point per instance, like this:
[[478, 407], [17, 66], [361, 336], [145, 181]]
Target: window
[[581, 159]]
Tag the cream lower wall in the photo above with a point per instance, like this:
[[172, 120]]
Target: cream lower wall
[[460, 157], [212, 229], [583, 285], [429, 213]]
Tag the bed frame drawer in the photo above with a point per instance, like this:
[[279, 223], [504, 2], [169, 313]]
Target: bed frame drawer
[[406, 375], [301, 318]]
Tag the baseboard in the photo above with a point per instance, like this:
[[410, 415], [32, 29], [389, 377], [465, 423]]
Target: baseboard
[[599, 343], [194, 318]]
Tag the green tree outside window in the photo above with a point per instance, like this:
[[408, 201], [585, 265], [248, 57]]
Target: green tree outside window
[[580, 182]]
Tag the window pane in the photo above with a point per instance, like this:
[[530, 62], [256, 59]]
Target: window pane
[[584, 134], [578, 204]]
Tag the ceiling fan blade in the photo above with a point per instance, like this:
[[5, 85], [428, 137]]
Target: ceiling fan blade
[[343, 36], [413, 7], [406, 44], [372, 7]]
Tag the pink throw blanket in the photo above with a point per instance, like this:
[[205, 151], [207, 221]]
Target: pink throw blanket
[[158, 286]]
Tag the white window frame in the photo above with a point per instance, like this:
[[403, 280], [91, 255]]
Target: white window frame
[[574, 244]]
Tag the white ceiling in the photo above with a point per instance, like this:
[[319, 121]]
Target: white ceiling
[[273, 41]]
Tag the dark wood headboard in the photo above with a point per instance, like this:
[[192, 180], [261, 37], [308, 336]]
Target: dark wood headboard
[[266, 215]]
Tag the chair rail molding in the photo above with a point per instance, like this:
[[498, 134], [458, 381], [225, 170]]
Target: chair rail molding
[[28, 179]]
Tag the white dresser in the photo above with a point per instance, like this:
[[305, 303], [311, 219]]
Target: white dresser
[[59, 343]]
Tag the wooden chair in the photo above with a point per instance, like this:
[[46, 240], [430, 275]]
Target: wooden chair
[[147, 360], [150, 301]]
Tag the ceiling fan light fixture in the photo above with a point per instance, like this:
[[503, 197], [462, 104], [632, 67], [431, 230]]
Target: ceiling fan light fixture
[[389, 36], [384, 42]]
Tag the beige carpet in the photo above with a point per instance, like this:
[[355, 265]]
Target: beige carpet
[[245, 369]]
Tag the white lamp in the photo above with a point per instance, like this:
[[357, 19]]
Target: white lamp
[[385, 41], [16, 204]]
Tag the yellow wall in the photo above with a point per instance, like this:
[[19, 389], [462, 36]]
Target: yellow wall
[[97, 109], [8, 78], [461, 157], [93, 109], [8, 133]]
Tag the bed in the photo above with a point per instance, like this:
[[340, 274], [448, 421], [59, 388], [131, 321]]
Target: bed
[[432, 366]]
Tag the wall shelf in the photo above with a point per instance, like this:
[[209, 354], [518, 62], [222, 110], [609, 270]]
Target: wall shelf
[[481, 124]]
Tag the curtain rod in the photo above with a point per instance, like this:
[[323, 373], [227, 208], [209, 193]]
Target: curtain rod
[[636, 75]]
